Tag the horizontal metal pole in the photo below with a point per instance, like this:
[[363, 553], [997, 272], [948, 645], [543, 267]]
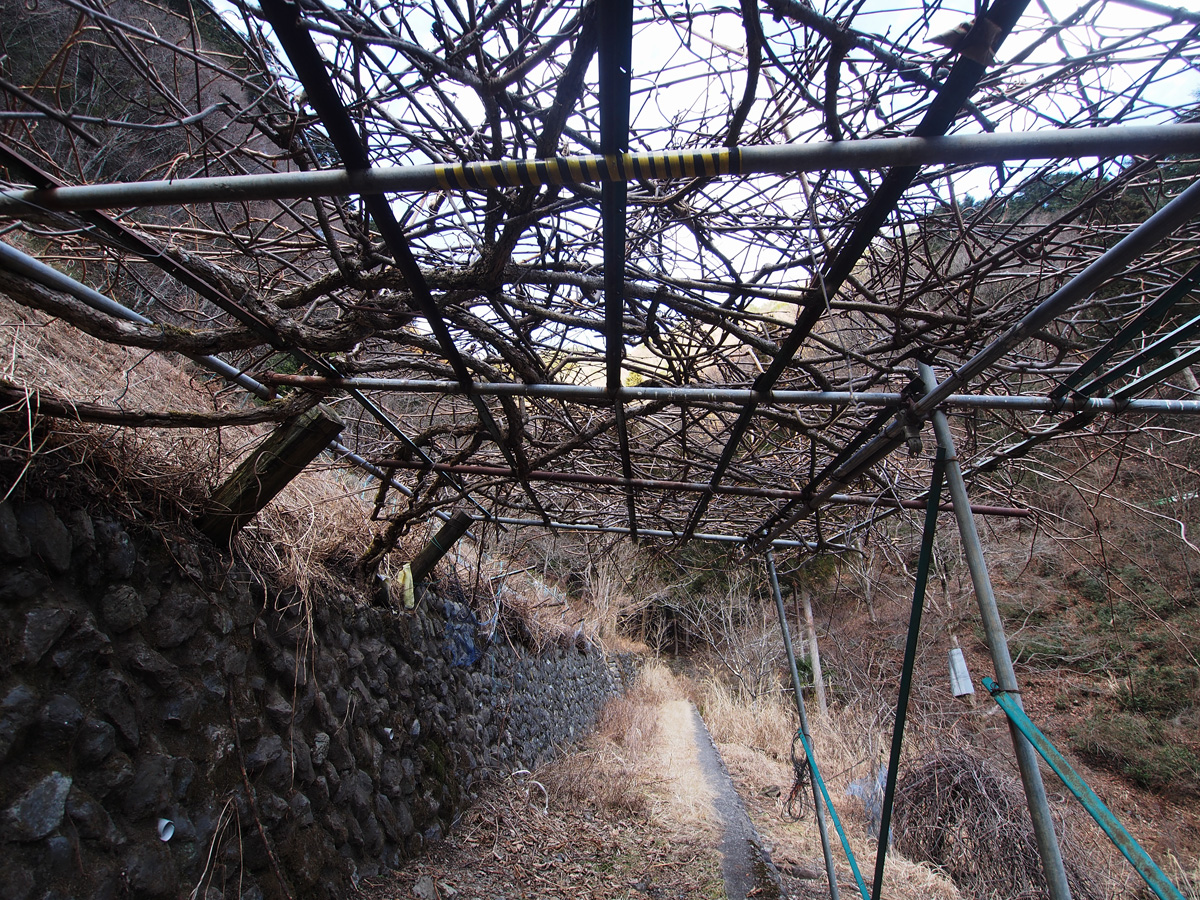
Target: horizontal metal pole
[[876, 153], [654, 484], [739, 396], [1154, 877], [661, 533]]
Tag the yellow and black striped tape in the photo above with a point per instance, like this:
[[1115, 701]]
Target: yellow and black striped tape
[[481, 176]]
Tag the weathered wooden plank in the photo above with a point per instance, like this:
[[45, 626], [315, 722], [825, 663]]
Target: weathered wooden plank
[[263, 474], [424, 561]]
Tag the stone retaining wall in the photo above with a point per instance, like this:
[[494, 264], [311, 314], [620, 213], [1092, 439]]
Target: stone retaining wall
[[144, 677]]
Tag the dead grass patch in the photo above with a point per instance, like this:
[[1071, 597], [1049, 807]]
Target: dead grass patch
[[305, 539], [764, 723], [618, 760]]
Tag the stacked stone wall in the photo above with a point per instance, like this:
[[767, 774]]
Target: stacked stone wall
[[294, 747]]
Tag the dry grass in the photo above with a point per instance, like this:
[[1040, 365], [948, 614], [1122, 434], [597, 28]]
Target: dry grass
[[755, 739], [764, 723], [303, 540], [621, 757], [511, 580], [615, 763], [642, 759], [1187, 882]]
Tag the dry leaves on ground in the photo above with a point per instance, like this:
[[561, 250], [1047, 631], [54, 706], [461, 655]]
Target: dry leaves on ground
[[602, 822]]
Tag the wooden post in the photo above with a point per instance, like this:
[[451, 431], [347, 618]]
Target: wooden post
[[814, 655], [424, 561], [268, 469], [803, 654]]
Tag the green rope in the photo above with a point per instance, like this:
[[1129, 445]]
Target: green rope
[[837, 823]]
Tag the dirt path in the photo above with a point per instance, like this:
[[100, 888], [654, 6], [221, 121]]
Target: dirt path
[[654, 816], [701, 790], [688, 792]]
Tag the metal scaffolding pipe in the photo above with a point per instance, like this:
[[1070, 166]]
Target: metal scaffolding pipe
[[818, 803], [601, 396], [993, 627], [875, 153], [670, 535], [1182, 209], [1150, 316], [614, 50], [690, 487]]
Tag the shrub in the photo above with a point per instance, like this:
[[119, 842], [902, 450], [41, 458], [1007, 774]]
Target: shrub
[[960, 813], [1089, 586], [1138, 748], [1161, 690]]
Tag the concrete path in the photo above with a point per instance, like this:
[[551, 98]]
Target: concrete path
[[746, 865]]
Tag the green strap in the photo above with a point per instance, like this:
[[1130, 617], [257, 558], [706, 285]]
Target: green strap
[[837, 823]]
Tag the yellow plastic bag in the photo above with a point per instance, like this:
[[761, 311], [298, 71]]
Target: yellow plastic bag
[[404, 584]]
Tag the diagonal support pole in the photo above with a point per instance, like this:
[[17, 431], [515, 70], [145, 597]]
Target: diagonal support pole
[[1154, 877], [910, 657], [818, 802], [993, 627]]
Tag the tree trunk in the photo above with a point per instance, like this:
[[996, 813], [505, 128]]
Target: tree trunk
[[814, 654]]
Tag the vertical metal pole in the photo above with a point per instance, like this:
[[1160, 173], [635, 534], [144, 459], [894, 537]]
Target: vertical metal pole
[[818, 802], [910, 658], [993, 627]]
